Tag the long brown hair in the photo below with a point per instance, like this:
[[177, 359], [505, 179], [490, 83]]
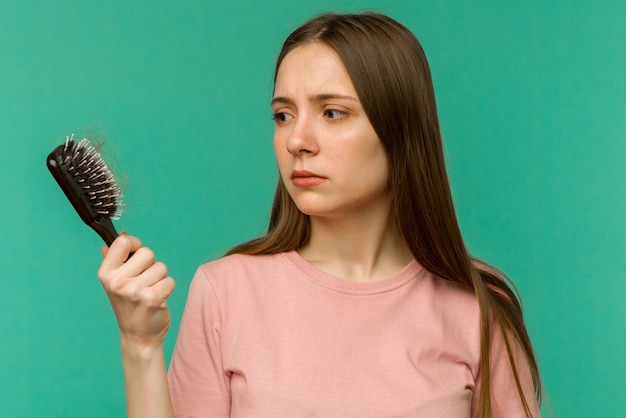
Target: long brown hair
[[392, 78]]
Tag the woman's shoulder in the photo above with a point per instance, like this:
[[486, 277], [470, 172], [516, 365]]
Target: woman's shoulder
[[241, 262], [239, 269], [456, 307], [452, 295]]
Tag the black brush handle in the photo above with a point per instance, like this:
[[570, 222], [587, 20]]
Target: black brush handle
[[105, 229]]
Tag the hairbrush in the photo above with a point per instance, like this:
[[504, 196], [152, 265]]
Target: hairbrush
[[88, 184]]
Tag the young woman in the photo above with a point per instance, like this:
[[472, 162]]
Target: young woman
[[361, 300]]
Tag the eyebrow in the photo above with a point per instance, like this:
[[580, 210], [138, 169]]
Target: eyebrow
[[315, 98]]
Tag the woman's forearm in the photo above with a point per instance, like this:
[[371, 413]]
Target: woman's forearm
[[145, 377]]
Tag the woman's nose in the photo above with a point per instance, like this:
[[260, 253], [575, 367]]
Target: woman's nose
[[302, 139]]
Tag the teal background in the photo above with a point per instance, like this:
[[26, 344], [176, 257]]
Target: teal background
[[532, 104]]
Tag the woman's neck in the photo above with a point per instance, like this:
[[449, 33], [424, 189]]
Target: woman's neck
[[362, 248]]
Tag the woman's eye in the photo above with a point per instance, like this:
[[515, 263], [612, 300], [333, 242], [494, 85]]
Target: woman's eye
[[281, 117], [334, 114]]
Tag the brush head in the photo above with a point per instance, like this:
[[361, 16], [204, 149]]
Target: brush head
[[89, 185]]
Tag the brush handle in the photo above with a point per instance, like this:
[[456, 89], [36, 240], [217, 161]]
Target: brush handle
[[106, 230]]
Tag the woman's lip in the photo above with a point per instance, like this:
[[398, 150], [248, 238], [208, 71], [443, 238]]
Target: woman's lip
[[304, 178], [303, 174], [307, 181]]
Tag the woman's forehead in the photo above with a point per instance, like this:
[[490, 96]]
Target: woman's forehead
[[313, 69]]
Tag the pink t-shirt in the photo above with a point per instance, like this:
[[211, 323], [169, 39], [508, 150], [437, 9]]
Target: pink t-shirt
[[272, 336]]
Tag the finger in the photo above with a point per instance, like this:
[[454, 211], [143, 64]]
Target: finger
[[119, 251], [105, 247], [156, 295], [152, 275], [164, 289], [141, 260]]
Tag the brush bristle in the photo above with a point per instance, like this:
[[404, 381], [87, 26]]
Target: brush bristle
[[83, 161]]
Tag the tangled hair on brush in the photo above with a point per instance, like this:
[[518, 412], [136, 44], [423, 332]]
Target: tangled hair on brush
[[392, 78]]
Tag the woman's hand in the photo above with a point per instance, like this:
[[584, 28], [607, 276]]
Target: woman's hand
[[137, 287]]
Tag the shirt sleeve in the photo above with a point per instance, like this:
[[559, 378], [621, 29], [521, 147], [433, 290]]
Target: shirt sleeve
[[505, 398], [199, 387]]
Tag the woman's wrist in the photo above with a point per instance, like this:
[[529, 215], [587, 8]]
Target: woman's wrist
[[134, 349]]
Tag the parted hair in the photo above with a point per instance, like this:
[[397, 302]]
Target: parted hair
[[391, 76]]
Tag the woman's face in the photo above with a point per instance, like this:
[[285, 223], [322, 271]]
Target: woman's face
[[329, 156]]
